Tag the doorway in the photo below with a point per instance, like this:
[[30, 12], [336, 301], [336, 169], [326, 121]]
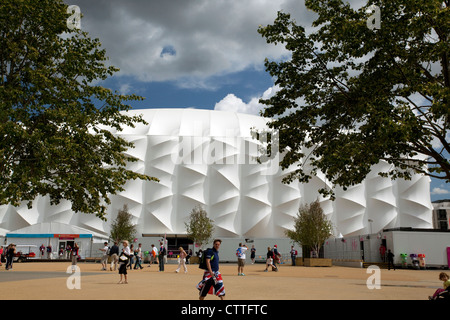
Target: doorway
[[173, 243], [62, 252]]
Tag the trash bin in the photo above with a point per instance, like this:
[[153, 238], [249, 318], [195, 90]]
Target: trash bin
[[422, 263], [414, 261], [404, 258]]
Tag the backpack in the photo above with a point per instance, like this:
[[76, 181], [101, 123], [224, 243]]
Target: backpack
[[202, 264]]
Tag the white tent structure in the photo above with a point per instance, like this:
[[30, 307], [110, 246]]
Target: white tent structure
[[207, 158], [57, 235]]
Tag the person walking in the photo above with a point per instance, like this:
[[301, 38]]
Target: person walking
[[390, 258], [153, 255], [212, 282], [276, 255], [131, 260], [123, 262], [253, 253], [162, 253], [114, 254], [138, 254], [240, 253], [104, 251], [182, 260]]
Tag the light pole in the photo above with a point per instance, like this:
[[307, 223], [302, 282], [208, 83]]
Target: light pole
[[370, 225]]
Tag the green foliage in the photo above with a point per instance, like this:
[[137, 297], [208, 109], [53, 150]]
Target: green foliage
[[311, 227], [200, 227], [122, 228], [54, 137], [351, 97]]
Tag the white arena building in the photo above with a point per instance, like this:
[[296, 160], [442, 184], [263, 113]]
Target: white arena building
[[207, 158]]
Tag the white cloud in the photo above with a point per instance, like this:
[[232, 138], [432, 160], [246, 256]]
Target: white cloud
[[233, 103], [440, 191], [210, 38], [125, 88]]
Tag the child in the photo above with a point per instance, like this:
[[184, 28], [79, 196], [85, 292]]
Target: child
[[445, 278]]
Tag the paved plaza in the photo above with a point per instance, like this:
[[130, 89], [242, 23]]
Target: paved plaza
[[49, 281]]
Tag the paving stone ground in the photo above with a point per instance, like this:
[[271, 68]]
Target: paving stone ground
[[48, 281]]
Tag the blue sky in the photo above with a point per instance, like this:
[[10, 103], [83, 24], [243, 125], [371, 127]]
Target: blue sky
[[202, 54]]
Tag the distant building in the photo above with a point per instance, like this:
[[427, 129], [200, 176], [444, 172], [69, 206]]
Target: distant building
[[441, 214]]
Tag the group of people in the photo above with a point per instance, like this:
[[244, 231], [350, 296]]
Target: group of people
[[124, 259], [113, 253], [45, 251], [135, 256], [69, 252], [273, 257]]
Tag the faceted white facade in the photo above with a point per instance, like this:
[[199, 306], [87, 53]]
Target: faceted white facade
[[204, 157]]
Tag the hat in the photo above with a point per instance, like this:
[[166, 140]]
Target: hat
[[275, 246]]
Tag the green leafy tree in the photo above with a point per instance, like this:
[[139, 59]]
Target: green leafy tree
[[351, 96], [122, 228], [311, 227], [200, 227], [54, 115]]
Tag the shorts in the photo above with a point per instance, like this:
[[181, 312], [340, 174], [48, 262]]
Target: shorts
[[241, 262], [209, 286]]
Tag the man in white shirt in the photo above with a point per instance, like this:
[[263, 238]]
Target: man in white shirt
[[105, 250], [240, 253]]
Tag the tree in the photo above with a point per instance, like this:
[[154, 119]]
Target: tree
[[122, 228], [311, 227], [199, 227], [55, 118], [351, 96]]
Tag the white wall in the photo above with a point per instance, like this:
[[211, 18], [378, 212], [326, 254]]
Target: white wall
[[432, 244]]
